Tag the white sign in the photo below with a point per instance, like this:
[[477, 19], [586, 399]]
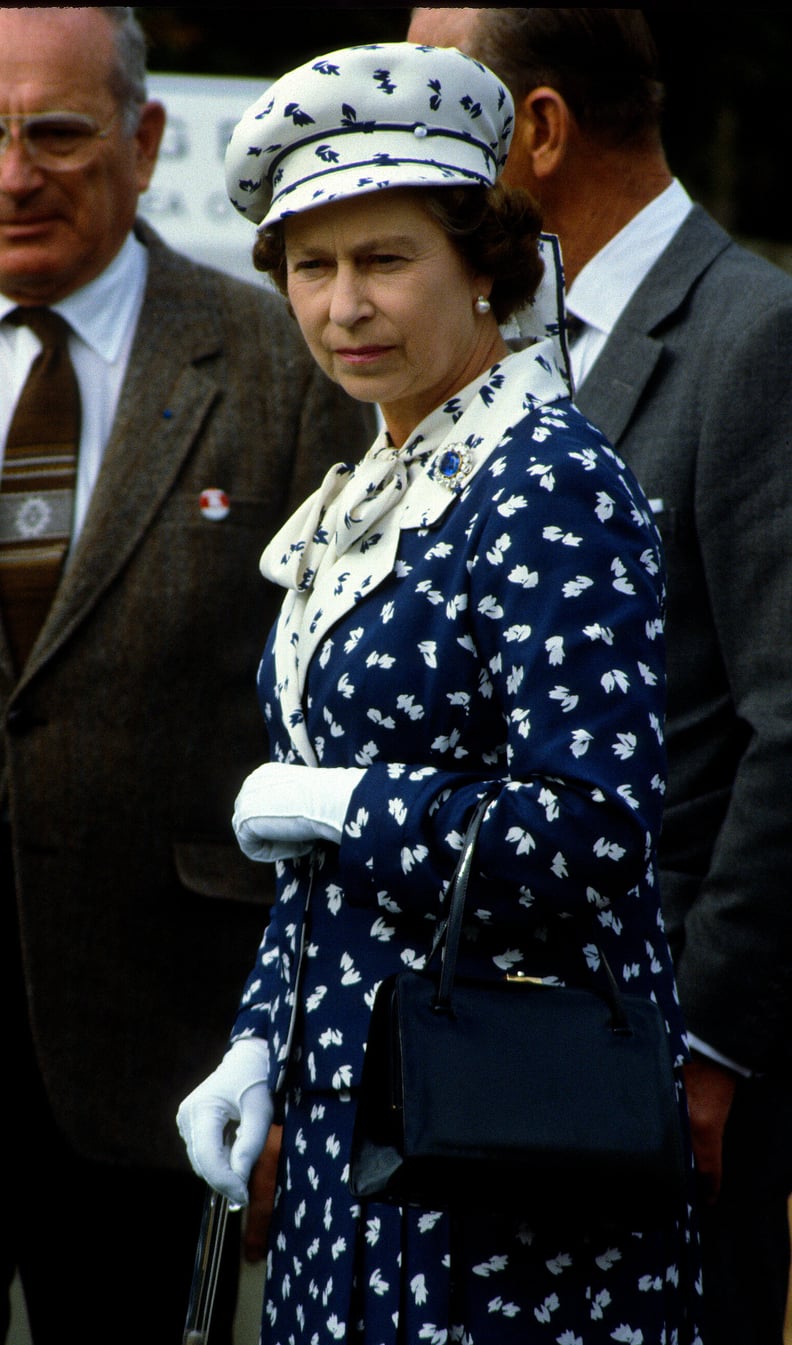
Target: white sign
[[187, 202]]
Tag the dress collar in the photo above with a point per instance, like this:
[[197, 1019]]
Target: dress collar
[[344, 541]]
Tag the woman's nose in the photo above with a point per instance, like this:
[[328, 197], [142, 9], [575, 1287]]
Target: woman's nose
[[349, 301]]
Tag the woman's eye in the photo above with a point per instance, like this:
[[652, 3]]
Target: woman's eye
[[310, 264]]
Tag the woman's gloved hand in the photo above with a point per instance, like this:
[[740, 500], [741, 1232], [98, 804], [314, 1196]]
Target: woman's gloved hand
[[225, 1120], [282, 810]]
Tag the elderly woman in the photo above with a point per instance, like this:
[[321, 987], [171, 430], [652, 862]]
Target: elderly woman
[[475, 607]]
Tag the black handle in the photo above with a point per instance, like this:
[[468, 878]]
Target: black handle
[[450, 932], [457, 896]]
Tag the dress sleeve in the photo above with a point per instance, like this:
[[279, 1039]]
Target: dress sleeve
[[564, 616]]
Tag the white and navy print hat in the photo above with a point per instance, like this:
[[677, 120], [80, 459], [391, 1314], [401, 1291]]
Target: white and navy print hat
[[385, 115]]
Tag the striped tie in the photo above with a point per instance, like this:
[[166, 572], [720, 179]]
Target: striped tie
[[37, 484]]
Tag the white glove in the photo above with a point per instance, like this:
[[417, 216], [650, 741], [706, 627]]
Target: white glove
[[234, 1095], [282, 810]]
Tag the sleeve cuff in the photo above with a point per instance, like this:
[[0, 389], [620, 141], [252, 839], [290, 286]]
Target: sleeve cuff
[[703, 1048]]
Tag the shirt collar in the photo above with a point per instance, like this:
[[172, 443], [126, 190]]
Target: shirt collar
[[104, 311], [605, 285]]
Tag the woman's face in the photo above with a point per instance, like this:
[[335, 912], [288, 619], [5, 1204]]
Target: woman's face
[[386, 304]]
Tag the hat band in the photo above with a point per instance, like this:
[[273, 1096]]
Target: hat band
[[418, 129], [421, 177]]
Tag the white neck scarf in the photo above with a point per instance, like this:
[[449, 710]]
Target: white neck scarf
[[343, 541]]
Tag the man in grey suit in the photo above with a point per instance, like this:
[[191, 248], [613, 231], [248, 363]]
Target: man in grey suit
[[682, 357], [129, 711]]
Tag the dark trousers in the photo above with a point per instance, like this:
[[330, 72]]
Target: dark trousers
[[105, 1253], [745, 1236]]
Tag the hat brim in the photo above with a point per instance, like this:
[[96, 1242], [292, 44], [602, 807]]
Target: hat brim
[[358, 179]]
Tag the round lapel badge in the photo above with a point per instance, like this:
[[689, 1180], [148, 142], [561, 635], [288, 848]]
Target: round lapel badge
[[214, 503]]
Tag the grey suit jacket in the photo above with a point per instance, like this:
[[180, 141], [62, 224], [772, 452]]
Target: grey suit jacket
[[694, 388], [127, 736]]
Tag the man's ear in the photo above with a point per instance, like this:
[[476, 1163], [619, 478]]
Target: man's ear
[[148, 137], [543, 122]]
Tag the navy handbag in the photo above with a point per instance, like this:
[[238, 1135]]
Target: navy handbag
[[517, 1096]]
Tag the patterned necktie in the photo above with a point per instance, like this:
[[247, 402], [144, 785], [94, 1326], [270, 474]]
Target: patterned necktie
[[37, 484]]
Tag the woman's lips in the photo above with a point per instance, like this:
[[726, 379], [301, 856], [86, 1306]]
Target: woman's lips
[[361, 354]]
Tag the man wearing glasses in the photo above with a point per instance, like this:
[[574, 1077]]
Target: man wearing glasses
[[157, 424]]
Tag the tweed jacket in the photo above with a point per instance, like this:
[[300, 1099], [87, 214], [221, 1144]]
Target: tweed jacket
[[693, 388], [135, 720]]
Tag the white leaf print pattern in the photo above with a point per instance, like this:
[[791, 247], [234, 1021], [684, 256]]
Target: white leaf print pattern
[[568, 700], [604, 508], [407, 704], [418, 1289], [597, 632], [409, 858], [350, 974], [428, 670], [377, 717], [366, 754], [615, 680], [625, 746], [357, 825], [549, 1306], [508, 508], [517, 634], [523, 576], [496, 554], [575, 587], [555, 650], [554, 534], [516, 679], [601, 1300], [490, 607], [492, 1266], [351, 641], [622, 583], [523, 840]]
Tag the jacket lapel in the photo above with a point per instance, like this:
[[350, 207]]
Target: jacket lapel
[[610, 393], [164, 401]]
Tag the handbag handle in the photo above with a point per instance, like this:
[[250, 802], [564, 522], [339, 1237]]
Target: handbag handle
[[450, 932]]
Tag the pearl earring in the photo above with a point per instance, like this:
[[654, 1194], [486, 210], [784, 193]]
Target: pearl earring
[[482, 305]]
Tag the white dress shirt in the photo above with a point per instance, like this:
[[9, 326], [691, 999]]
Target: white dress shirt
[[103, 316], [602, 290]]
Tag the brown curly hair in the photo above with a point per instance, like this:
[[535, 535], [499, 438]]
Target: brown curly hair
[[494, 229]]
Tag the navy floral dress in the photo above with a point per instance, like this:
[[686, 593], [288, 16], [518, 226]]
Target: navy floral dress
[[483, 607]]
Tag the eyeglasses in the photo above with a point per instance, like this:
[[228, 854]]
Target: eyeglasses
[[55, 140]]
